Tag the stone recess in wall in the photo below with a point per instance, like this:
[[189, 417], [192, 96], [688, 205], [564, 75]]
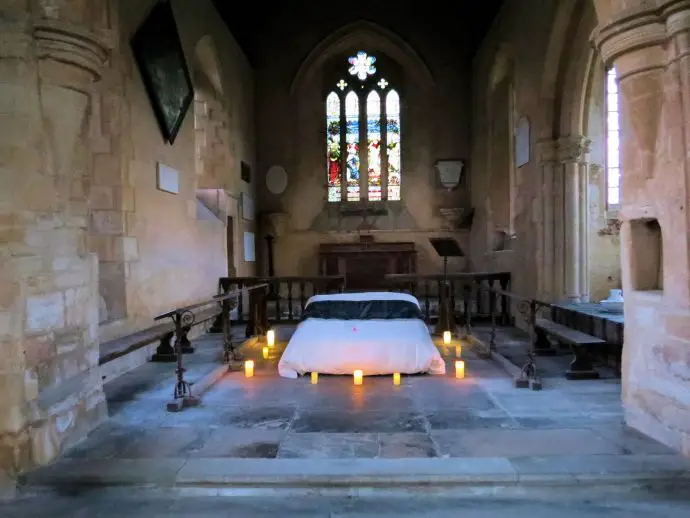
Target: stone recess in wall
[[647, 258]]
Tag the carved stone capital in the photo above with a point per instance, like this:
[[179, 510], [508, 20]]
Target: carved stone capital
[[573, 149], [547, 151], [75, 54]]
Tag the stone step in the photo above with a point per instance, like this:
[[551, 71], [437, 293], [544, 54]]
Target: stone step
[[469, 475]]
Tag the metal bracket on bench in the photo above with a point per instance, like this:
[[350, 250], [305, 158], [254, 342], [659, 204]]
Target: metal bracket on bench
[[529, 377], [182, 395]]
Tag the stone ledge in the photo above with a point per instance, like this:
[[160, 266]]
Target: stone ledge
[[469, 473]]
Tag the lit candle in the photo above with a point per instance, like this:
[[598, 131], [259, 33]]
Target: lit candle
[[265, 353], [314, 378], [396, 378], [460, 369], [458, 351], [446, 337], [249, 368], [270, 337], [358, 374]]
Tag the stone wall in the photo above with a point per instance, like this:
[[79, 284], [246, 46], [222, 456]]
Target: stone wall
[[50, 57], [83, 228], [169, 256], [648, 43], [566, 241], [560, 243], [434, 83]]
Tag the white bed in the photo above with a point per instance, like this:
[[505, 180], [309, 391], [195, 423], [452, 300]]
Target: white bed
[[377, 332]]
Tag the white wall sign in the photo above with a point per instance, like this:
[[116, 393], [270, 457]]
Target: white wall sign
[[247, 207], [522, 141], [167, 179], [249, 247]]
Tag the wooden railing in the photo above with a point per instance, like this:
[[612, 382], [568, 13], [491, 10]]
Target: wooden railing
[[286, 296], [471, 294]]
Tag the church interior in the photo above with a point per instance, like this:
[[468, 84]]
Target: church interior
[[519, 166]]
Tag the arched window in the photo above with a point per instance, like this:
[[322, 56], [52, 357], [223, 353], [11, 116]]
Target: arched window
[[613, 133], [367, 111]]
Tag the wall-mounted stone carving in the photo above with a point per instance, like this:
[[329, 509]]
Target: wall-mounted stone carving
[[450, 173]]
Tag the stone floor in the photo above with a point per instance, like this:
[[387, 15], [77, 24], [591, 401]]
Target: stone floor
[[427, 416], [93, 505]]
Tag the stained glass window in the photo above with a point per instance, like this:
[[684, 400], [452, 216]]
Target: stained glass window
[[362, 65], [374, 145], [378, 128], [613, 134], [393, 144], [352, 141], [333, 146]]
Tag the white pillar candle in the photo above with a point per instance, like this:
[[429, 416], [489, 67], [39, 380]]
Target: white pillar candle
[[249, 368], [446, 337], [460, 369], [270, 337]]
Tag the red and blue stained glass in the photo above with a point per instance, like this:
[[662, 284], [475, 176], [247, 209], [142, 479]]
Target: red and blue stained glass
[[393, 144], [333, 147], [352, 142], [374, 145]]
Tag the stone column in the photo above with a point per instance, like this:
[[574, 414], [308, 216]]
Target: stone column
[[49, 378], [571, 154], [647, 42], [546, 261]]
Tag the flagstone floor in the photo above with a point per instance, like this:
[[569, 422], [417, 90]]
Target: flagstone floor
[[267, 416]]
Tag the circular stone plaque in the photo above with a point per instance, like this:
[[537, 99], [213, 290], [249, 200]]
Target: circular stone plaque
[[276, 179]]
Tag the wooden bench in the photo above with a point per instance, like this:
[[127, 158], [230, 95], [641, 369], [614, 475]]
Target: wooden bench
[[163, 332], [581, 343]]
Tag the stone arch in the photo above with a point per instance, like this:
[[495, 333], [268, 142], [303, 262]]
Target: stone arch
[[502, 66], [206, 62], [363, 33], [500, 106], [553, 63]]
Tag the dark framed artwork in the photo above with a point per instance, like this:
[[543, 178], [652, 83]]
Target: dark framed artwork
[[158, 53], [245, 172]]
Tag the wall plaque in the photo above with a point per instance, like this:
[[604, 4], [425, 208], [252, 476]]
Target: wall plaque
[[167, 179], [522, 141], [247, 207], [249, 247]]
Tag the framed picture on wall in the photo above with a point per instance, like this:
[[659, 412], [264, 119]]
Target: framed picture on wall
[[158, 54]]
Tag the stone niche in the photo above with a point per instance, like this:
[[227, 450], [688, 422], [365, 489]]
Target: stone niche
[[647, 259]]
